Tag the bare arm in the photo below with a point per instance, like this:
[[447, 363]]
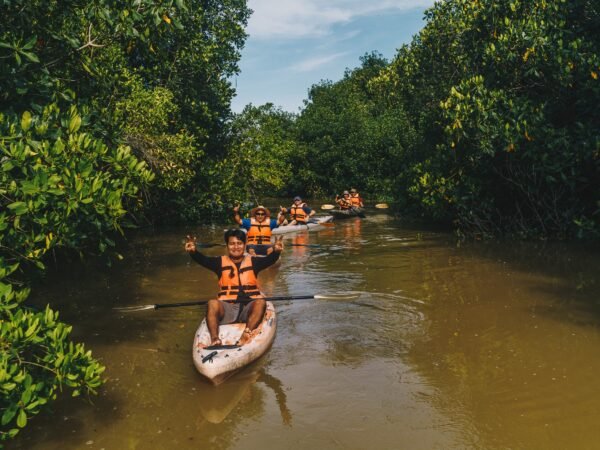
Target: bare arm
[[236, 215]]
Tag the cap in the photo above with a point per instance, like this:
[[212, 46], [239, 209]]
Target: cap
[[297, 197]]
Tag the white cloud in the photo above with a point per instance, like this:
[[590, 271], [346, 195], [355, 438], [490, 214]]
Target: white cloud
[[313, 63], [290, 19]]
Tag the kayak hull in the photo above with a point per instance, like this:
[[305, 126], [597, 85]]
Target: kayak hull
[[282, 229], [219, 363], [347, 213]]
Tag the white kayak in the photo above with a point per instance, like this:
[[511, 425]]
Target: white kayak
[[220, 362], [317, 222]]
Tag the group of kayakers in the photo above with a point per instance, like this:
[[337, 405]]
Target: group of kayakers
[[260, 225], [238, 270], [349, 200]]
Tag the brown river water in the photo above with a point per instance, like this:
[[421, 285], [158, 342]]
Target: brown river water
[[472, 346]]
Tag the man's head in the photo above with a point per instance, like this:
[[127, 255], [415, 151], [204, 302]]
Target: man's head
[[353, 190], [346, 193], [260, 213], [297, 199], [235, 239]]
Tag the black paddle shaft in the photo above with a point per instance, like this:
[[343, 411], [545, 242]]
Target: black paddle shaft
[[240, 300]]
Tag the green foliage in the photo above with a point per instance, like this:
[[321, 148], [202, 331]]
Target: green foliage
[[350, 138], [150, 131], [136, 65], [59, 187], [36, 360], [261, 144], [520, 129], [96, 99], [488, 120]]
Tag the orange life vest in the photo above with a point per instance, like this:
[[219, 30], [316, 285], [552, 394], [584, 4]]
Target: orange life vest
[[344, 203], [355, 199], [297, 213], [234, 282], [259, 232]]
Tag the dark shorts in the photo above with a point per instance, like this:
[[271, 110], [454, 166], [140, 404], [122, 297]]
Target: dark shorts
[[235, 312], [259, 249]]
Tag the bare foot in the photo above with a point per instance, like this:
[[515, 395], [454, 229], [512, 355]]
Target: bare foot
[[216, 341], [247, 336]]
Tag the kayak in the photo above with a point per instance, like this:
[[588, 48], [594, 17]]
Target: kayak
[[346, 213], [317, 223], [217, 363]]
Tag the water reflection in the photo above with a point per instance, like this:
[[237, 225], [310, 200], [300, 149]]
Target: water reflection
[[474, 346], [217, 403]]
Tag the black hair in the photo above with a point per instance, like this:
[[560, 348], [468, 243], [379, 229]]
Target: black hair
[[235, 232]]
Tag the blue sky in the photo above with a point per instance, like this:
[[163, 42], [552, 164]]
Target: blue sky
[[293, 44]]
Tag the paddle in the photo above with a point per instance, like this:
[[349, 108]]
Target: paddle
[[203, 245], [328, 206], [245, 300], [382, 206]]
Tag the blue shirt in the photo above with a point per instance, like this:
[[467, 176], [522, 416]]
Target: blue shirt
[[246, 224]]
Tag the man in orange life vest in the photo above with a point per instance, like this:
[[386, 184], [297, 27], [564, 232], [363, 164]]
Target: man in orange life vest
[[344, 202], [259, 227], [300, 213], [238, 280], [356, 199]]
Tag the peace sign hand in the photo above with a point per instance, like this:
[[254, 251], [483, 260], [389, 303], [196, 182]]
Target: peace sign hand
[[278, 245], [190, 244]]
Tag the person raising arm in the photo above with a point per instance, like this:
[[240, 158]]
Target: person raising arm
[[238, 280], [259, 229]]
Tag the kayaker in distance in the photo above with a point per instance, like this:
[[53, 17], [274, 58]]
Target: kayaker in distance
[[300, 213], [259, 226], [344, 202], [238, 279], [356, 199]]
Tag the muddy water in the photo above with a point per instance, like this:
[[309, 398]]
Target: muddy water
[[483, 346]]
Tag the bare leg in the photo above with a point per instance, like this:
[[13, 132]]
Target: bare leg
[[256, 313], [255, 316], [214, 315]]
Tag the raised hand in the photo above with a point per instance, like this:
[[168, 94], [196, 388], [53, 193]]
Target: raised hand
[[190, 244], [236, 209], [278, 245]]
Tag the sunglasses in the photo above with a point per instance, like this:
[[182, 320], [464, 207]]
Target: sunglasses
[[259, 214]]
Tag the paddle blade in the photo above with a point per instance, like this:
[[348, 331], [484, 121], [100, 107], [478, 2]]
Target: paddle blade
[[348, 296], [134, 308], [327, 206], [382, 206]]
